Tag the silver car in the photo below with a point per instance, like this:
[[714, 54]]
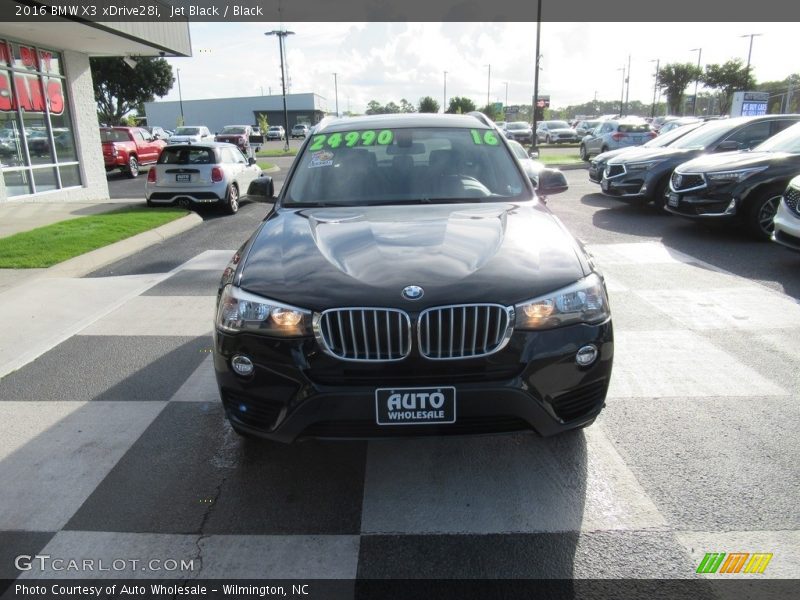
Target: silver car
[[191, 133], [203, 173], [555, 132], [614, 134]]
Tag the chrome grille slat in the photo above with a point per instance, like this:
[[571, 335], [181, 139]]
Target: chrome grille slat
[[364, 334], [482, 328]]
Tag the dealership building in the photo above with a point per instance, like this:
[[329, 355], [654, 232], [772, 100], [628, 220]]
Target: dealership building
[[215, 113], [50, 146]]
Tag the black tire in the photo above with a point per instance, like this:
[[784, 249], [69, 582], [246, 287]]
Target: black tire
[[132, 170], [584, 154], [660, 195], [231, 206], [759, 211]]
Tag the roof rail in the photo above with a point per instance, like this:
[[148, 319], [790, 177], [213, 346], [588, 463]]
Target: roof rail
[[481, 117]]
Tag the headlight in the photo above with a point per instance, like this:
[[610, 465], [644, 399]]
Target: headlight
[[735, 176], [239, 311], [582, 302], [641, 166]]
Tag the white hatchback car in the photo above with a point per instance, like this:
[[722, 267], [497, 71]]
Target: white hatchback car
[[211, 172], [787, 219]]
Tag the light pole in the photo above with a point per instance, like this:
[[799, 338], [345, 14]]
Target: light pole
[[489, 86], [622, 93], [655, 88], [444, 96], [506, 104], [282, 33], [750, 52], [336, 91], [628, 83], [180, 97], [696, 81], [535, 104]]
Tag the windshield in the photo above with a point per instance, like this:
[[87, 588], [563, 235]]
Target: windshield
[[187, 131], [275, 128], [557, 124], [233, 129], [787, 140], [708, 134], [364, 167], [518, 125], [665, 139]]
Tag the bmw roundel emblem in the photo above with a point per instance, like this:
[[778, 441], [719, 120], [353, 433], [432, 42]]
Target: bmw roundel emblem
[[412, 292]]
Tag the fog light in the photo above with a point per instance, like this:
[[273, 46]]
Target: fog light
[[586, 355], [731, 207], [242, 365]]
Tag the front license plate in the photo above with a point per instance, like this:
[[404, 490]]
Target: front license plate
[[415, 406], [674, 199], [183, 177], [604, 185]]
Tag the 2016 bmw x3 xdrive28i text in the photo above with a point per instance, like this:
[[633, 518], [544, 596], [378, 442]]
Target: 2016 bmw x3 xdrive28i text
[[409, 281]]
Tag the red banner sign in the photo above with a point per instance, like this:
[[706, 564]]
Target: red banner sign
[[31, 95]]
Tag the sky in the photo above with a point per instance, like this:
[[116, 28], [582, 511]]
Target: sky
[[390, 61]]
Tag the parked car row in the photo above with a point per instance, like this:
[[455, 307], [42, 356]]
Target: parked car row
[[734, 170]]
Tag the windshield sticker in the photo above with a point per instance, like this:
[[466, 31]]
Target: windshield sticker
[[323, 158], [488, 137], [352, 138]]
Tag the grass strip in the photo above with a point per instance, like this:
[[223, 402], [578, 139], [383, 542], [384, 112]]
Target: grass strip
[[46, 246]]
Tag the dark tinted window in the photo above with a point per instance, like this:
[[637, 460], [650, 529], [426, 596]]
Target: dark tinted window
[[186, 155], [634, 127], [114, 135], [751, 135]]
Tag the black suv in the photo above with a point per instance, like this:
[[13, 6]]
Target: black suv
[[743, 187], [644, 177], [409, 281]]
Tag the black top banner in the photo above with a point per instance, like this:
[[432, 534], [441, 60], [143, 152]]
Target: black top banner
[[405, 10]]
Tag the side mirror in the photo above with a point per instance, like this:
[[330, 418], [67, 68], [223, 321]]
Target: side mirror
[[727, 146], [262, 188], [550, 182], [251, 161]]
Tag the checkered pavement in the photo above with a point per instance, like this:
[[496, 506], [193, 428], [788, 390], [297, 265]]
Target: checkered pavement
[[113, 445]]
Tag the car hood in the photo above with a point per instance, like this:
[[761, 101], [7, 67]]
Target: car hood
[[327, 257], [604, 156], [184, 138], [512, 131], [729, 161], [562, 130], [646, 154]]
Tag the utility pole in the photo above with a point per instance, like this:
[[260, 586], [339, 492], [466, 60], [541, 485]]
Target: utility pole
[[535, 103], [282, 33], [655, 88], [489, 86], [622, 93], [506, 103], [628, 83], [180, 97], [336, 91], [696, 81], [444, 96], [750, 52]]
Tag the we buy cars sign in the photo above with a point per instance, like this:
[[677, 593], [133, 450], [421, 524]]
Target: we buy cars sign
[[27, 90]]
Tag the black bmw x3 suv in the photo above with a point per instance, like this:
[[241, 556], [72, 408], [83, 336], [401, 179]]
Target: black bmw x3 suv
[[410, 281]]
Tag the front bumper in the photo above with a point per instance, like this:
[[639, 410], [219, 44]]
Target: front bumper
[[625, 187], [718, 204], [787, 227], [296, 391]]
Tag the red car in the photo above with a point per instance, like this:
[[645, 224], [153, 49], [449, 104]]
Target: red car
[[127, 148]]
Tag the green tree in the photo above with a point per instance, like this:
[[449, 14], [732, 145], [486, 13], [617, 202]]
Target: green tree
[[263, 123], [489, 111], [785, 94], [728, 78], [428, 105], [375, 108], [118, 89], [673, 79], [459, 105], [406, 106], [391, 108]]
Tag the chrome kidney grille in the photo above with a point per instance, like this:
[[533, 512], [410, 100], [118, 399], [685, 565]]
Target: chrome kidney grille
[[464, 331], [443, 332], [364, 334]]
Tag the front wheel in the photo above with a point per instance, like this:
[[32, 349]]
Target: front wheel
[[584, 154], [232, 201], [761, 211], [133, 168], [660, 195]]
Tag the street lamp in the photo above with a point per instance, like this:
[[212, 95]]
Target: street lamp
[[622, 93], [282, 33], [750, 52], [489, 86], [696, 81], [444, 96], [506, 104], [180, 97], [336, 91], [655, 88]]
